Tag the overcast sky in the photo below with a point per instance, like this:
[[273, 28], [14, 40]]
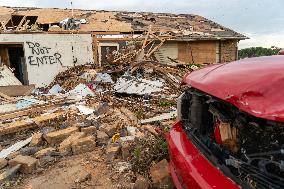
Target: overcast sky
[[261, 20]]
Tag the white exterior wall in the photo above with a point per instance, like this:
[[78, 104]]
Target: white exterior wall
[[48, 54]]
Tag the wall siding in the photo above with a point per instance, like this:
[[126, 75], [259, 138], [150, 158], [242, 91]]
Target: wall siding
[[197, 52], [169, 49], [48, 54]]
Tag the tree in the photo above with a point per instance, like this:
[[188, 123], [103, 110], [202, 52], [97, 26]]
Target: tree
[[258, 51]]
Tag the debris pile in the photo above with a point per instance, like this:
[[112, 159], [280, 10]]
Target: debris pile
[[114, 118]]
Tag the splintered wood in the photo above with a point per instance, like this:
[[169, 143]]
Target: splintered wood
[[6, 98], [30, 123], [229, 136], [17, 90], [34, 109]]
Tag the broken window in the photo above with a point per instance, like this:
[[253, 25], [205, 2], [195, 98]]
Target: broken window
[[246, 148]]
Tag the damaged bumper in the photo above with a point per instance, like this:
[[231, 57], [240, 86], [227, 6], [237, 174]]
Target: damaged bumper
[[189, 168]]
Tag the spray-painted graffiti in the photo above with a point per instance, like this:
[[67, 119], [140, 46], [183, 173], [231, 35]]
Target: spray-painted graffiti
[[42, 55]]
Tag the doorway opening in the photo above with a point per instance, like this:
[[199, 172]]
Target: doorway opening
[[106, 51], [12, 55]]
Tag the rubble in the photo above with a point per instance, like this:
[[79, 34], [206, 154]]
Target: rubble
[[112, 151], [160, 175], [102, 138], [28, 164], [125, 150], [29, 151], [161, 117], [82, 145], [65, 146], [4, 153], [36, 139], [46, 160], [44, 152], [58, 136], [89, 130], [141, 183], [9, 173], [3, 163], [151, 129], [109, 129], [120, 110], [137, 86]]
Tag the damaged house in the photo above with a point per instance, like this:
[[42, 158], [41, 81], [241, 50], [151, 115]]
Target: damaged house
[[38, 43]]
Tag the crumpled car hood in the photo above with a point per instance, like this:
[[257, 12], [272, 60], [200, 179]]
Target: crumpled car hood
[[254, 85]]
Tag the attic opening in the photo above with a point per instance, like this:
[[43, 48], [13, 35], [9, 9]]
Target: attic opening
[[46, 27], [20, 22], [12, 55]]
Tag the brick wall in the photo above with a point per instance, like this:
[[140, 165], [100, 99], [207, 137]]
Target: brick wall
[[229, 50]]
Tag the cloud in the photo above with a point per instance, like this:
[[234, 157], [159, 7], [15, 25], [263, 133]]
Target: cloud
[[19, 3], [263, 40]]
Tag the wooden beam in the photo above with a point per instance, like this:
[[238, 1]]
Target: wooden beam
[[95, 49], [120, 39], [3, 26], [33, 109], [25, 25], [8, 98], [107, 33], [154, 49], [17, 90], [21, 23], [34, 122], [146, 38]]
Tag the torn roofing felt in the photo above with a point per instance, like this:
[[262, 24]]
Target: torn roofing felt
[[184, 26], [254, 85]]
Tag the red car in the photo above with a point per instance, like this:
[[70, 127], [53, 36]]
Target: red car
[[230, 127]]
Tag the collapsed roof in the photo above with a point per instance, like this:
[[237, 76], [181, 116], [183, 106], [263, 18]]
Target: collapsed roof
[[185, 26]]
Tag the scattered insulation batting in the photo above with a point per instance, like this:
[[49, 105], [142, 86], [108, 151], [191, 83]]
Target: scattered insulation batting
[[138, 86]]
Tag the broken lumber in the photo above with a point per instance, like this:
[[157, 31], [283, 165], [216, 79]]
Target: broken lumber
[[9, 173], [161, 117], [21, 23], [6, 97], [17, 90], [31, 123], [15, 147], [34, 109]]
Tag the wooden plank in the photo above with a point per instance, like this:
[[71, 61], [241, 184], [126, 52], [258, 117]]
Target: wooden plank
[[21, 23], [25, 25], [3, 26], [26, 112], [146, 38], [120, 39], [198, 52], [155, 48], [34, 109], [31, 123], [17, 90], [95, 49], [8, 98]]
